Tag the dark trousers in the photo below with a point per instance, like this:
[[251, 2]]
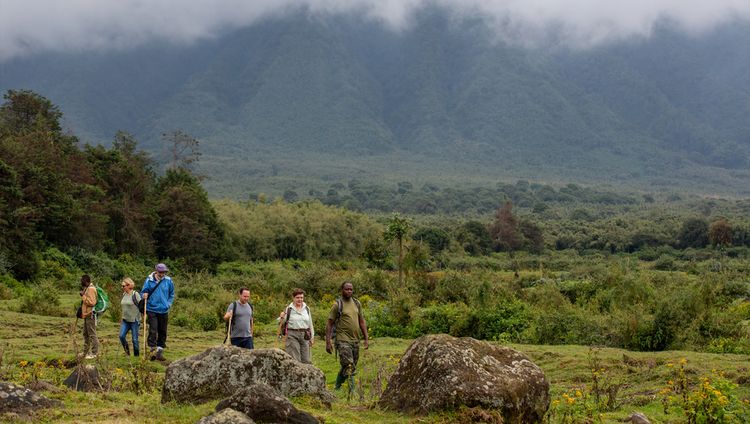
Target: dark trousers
[[157, 330], [245, 342]]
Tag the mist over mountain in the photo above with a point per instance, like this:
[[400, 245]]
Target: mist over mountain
[[299, 100]]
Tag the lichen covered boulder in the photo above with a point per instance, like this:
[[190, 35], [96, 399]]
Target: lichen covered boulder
[[20, 400], [222, 371], [440, 372]]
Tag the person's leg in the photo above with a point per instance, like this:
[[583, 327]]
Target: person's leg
[[162, 333], [94, 338], [134, 329], [124, 327], [304, 350], [292, 345], [346, 359], [152, 330], [86, 337]]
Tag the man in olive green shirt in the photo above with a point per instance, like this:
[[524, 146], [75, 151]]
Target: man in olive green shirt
[[345, 325]]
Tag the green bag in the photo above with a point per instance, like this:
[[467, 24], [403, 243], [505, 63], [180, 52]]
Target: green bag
[[102, 301]]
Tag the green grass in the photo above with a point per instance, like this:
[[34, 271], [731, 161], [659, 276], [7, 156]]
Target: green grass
[[35, 338]]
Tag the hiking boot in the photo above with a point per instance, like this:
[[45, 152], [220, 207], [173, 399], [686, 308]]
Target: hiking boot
[[127, 350], [339, 381], [160, 355]]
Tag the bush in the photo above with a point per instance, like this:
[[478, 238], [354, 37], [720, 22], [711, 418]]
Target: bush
[[43, 299], [207, 322]]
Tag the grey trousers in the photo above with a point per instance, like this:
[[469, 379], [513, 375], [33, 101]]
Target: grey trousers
[[297, 347], [90, 341]]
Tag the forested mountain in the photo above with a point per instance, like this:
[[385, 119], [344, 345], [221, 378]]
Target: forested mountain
[[298, 102]]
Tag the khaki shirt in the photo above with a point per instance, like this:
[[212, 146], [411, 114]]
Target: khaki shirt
[[347, 329], [89, 300]]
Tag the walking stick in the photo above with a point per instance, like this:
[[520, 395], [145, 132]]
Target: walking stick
[[145, 334], [229, 331]]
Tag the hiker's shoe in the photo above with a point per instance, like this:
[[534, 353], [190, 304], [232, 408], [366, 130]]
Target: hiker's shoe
[[90, 356], [160, 355]]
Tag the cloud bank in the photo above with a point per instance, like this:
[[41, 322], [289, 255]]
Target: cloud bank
[[27, 27]]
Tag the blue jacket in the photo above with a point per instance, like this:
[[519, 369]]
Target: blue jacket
[[160, 300]]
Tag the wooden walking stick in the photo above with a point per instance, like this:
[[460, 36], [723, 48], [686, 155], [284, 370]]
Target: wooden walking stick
[[145, 333], [229, 331]]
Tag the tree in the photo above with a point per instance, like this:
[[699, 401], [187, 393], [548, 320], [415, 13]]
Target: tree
[[188, 226], [183, 149], [533, 239], [26, 111], [504, 230], [720, 233], [694, 233], [397, 230]]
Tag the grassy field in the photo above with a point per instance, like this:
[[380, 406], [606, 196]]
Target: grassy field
[[36, 347]]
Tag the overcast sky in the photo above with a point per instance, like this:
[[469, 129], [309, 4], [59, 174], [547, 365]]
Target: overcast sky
[[28, 26]]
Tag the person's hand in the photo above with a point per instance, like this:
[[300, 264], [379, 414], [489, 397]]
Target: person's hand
[[329, 347], [367, 343], [145, 296], [312, 340]]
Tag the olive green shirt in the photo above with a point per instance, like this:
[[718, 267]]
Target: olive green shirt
[[347, 329]]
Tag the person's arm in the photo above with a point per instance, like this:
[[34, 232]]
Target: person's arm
[[228, 315], [363, 327], [312, 328], [170, 298], [147, 287], [329, 326], [89, 297], [252, 326]]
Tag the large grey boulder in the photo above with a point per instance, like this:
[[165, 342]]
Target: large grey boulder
[[20, 400], [227, 416], [440, 372], [264, 404], [222, 371]]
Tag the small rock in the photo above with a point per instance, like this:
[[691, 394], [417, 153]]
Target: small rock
[[227, 416], [85, 378], [637, 418]]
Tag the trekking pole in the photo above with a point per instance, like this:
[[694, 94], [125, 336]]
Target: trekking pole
[[229, 331], [145, 333]]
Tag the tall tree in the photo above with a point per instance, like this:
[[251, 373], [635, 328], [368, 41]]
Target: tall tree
[[188, 226], [398, 229], [504, 230]]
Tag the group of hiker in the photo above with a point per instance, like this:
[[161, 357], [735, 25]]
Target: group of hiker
[[344, 328], [153, 303]]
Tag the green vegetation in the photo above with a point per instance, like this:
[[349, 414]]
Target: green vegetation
[[555, 269]]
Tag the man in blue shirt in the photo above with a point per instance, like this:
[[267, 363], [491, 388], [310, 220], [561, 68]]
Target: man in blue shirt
[[158, 290]]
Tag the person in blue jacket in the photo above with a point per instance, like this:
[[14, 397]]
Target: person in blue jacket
[[158, 290]]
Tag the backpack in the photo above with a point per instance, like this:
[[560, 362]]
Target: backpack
[[102, 301], [340, 305], [286, 320], [231, 320], [140, 304]]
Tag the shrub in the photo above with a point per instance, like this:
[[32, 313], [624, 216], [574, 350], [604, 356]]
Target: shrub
[[42, 299]]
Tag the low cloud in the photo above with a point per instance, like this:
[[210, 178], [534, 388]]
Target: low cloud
[[73, 25]]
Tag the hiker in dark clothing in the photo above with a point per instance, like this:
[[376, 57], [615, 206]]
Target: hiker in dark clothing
[[240, 312], [158, 290], [345, 326]]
